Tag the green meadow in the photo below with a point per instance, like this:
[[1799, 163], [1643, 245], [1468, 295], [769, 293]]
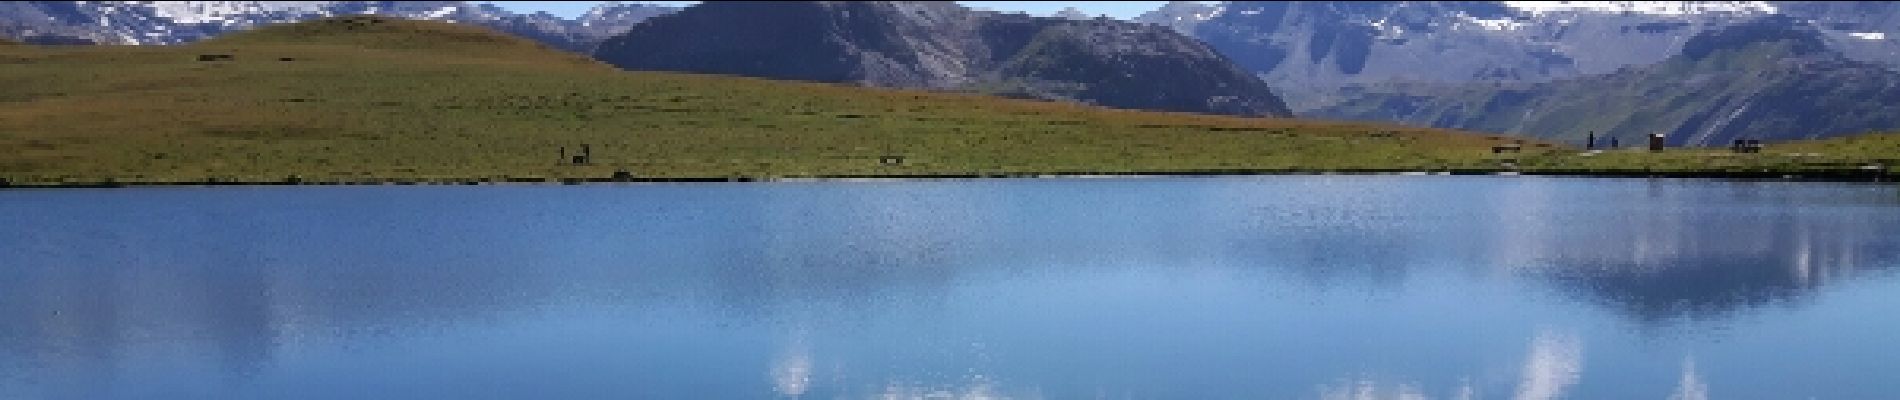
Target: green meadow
[[1850, 155], [359, 99]]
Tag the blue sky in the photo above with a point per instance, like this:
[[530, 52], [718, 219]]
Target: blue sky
[[1116, 9]]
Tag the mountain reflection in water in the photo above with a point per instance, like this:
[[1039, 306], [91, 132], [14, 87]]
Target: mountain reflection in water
[[1019, 289]]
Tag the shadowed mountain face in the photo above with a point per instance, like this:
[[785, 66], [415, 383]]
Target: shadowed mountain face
[[1308, 48], [939, 45], [1774, 78]]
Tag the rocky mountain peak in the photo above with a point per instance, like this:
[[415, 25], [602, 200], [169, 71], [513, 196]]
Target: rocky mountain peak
[[941, 45], [1182, 16]]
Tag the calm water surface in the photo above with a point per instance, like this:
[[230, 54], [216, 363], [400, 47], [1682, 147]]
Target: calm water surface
[[1209, 288]]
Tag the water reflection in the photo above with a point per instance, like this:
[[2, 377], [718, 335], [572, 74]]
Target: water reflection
[[1554, 364], [977, 389], [1691, 386], [791, 368], [891, 290], [1704, 257], [1372, 390], [794, 372]]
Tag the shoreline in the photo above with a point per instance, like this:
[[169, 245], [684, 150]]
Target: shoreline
[[1856, 176]]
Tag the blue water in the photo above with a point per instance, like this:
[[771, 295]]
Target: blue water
[[1191, 288]]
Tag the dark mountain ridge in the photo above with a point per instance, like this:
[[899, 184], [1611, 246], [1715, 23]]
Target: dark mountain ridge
[[943, 46]]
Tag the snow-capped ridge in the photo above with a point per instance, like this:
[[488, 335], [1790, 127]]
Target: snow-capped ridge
[[176, 22], [1645, 7]]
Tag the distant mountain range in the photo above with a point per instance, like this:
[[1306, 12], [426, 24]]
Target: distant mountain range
[[1482, 65], [1071, 57], [1310, 50], [1772, 78], [940, 45], [175, 22], [1561, 70]]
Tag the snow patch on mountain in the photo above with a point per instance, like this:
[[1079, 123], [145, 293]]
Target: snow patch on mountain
[[1869, 35], [232, 12], [445, 11], [177, 22], [1501, 24], [1182, 16], [1645, 7]]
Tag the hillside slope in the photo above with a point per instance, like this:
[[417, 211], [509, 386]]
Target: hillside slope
[[350, 100], [940, 45], [1773, 79], [385, 33]]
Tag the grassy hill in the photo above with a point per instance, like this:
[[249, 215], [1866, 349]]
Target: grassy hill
[[1840, 157], [362, 100], [356, 99]]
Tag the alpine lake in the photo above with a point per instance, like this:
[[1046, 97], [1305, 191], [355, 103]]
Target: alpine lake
[[1240, 287]]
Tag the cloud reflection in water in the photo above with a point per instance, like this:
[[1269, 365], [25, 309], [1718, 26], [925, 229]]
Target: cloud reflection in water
[[253, 280], [1554, 364], [1690, 387], [791, 367]]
